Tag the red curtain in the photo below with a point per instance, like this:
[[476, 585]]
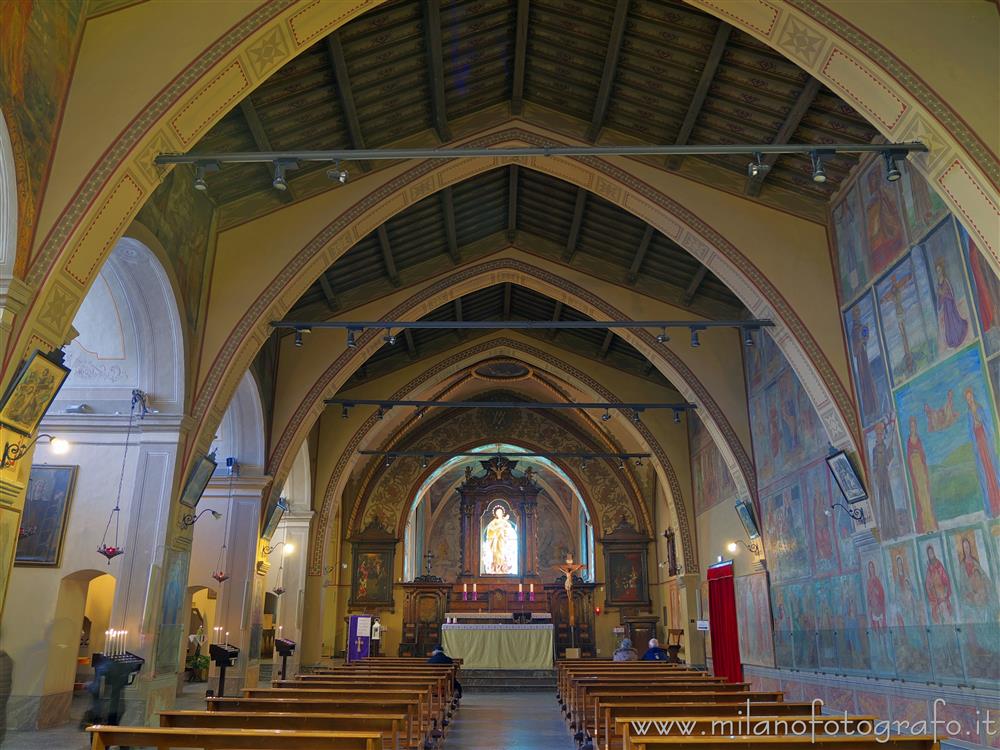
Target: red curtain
[[722, 622]]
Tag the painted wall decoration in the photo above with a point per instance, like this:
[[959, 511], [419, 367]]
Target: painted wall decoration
[[852, 259], [753, 613], [46, 508], [985, 293], [882, 216], [976, 592], [10, 523], [38, 44], [887, 481], [168, 639], [711, 479], [868, 365]]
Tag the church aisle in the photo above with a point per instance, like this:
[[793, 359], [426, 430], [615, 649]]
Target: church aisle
[[509, 721]]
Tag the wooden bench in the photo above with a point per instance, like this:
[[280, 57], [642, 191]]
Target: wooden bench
[[580, 700], [391, 726], [231, 739], [787, 742]]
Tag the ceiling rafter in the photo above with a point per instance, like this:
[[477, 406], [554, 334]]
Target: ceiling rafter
[[618, 26], [435, 67], [788, 128], [512, 202], [263, 143], [461, 333], [556, 315], [701, 90], [574, 228], [692, 287], [331, 298], [411, 346], [508, 289], [335, 51], [606, 344], [387, 257], [520, 57], [640, 255], [448, 208]]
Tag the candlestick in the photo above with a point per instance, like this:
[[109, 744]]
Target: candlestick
[[227, 636]]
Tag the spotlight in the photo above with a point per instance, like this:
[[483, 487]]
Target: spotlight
[[748, 337], [635, 416], [757, 166], [389, 338], [695, 341], [351, 343], [380, 414], [388, 462], [638, 463], [817, 167], [677, 416], [621, 464], [892, 172], [423, 462], [338, 174], [202, 168], [281, 166], [298, 338], [344, 411], [583, 462], [606, 416], [663, 337]]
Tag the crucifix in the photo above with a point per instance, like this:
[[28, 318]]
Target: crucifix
[[357, 645], [569, 568], [427, 562]]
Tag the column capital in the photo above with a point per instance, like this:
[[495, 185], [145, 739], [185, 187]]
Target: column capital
[[219, 486]]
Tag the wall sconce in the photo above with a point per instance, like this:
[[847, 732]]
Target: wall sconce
[[858, 514], [190, 520], [753, 547], [289, 548], [14, 452]]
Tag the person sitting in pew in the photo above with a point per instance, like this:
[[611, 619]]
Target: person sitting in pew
[[625, 652], [438, 656], [654, 652]]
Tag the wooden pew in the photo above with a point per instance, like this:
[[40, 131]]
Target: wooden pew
[[392, 726], [441, 685], [409, 706], [231, 739], [578, 703]]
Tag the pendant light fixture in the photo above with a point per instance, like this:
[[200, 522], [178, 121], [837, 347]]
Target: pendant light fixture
[[219, 574], [111, 551]]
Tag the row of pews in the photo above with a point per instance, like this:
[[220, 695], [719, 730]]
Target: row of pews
[[375, 704], [650, 705]]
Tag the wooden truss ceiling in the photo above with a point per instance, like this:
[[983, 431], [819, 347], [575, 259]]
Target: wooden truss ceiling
[[506, 302], [535, 212], [422, 72]]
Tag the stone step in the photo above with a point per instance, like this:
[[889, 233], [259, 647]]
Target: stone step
[[508, 680]]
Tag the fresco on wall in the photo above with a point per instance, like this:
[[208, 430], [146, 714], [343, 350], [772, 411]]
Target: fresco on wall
[[883, 219], [181, 219], [906, 612], [874, 587], [816, 486], [38, 42], [168, 639], [985, 293], [976, 592], [949, 438], [444, 541], [951, 299], [554, 539], [906, 308], [887, 481], [871, 380], [922, 206], [848, 230], [753, 613], [710, 476], [786, 533]]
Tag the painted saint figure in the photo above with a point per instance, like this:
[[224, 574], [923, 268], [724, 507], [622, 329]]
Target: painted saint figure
[[953, 325], [885, 502], [876, 599], [937, 585], [920, 478], [985, 452], [499, 550], [862, 367]]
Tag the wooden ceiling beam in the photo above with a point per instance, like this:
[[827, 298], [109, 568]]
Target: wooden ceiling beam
[[788, 128], [606, 345], [618, 26], [331, 298], [701, 90], [640, 255], [448, 208], [387, 258], [507, 293], [461, 333], [574, 228], [556, 315], [262, 142], [520, 58], [512, 179], [335, 51], [692, 287], [411, 347], [435, 67]]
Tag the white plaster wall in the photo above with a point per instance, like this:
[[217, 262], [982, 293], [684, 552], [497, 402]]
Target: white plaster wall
[[241, 433], [8, 210]]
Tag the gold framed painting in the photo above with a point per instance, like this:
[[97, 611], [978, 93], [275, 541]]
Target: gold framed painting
[[31, 392], [46, 510]]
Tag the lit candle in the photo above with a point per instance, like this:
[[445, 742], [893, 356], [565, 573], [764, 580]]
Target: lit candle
[[473, 588], [280, 628], [465, 588], [227, 636], [520, 588], [531, 588], [107, 636], [124, 639]]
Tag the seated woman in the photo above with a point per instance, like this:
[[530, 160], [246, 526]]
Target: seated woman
[[654, 652], [625, 652], [438, 656]]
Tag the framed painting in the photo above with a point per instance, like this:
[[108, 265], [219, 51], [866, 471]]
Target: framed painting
[[846, 477], [745, 511], [626, 578], [31, 392], [372, 567], [46, 508], [273, 517], [198, 480]]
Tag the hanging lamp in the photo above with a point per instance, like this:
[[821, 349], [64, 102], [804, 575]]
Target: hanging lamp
[[279, 589], [219, 574], [111, 551]]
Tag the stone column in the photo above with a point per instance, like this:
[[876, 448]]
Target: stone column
[[290, 573]]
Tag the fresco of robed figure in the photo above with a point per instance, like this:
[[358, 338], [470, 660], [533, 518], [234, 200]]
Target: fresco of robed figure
[[498, 547]]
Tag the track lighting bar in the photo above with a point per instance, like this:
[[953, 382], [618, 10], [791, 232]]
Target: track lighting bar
[[491, 454], [372, 154], [383, 404], [450, 325]]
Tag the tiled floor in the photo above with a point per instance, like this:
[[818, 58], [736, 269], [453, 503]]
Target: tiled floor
[[509, 721], [486, 721]]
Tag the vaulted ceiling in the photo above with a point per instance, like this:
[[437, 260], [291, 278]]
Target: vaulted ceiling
[[424, 72]]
